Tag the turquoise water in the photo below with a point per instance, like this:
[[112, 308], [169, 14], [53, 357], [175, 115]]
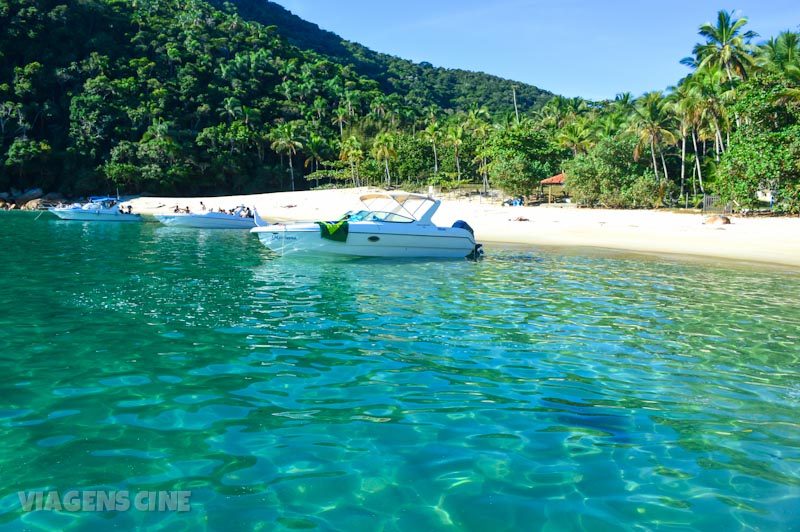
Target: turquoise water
[[532, 390]]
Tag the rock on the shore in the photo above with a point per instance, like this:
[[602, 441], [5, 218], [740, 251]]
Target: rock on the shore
[[32, 205], [717, 219], [2, 204]]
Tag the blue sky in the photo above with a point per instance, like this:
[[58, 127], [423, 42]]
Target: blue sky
[[594, 49]]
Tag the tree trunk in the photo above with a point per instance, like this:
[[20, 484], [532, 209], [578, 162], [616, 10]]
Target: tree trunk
[[653, 153], [458, 167], [435, 160], [718, 143], [697, 161], [683, 162], [388, 176], [514, 94], [664, 165], [291, 170], [730, 75], [485, 177]]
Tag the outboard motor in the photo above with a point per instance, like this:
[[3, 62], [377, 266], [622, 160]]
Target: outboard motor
[[461, 224], [477, 251]]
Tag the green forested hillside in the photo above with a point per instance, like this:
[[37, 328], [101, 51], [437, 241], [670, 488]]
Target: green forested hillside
[[181, 96], [167, 96], [421, 85]]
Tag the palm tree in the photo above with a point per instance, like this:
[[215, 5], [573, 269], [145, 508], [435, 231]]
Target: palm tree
[[285, 139], [320, 107], [686, 104], [624, 101], [781, 54], [653, 124], [715, 97], [316, 147], [249, 115], [432, 134], [477, 122], [477, 116], [726, 46], [609, 123], [231, 108], [384, 149], [340, 118], [379, 107], [455, 137], [576, 136], [352, 153]]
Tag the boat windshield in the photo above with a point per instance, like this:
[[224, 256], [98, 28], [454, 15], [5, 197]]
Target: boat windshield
[[376, 216]]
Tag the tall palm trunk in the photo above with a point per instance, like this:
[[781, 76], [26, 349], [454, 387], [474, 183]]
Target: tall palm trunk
[[388, 176], [435, 160], [697, 161], [291, 170], [458, 166], [683, 161], [653, 153], [485, 176], [664, 165]]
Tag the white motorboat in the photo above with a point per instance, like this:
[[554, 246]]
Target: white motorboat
[[209, 220], [97, 209], [392, 225]]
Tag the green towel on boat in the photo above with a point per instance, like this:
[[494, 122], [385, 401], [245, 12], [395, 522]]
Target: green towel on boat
[[334, 230]]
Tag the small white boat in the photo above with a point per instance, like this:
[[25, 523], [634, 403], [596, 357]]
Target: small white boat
[[209, 220], [97, 209], [393, 225]]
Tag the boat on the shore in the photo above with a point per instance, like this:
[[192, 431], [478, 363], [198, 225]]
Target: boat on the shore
[[209, 219], [392, 225], [97, 209]]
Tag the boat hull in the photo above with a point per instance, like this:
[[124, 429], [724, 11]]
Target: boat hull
[[206, 221], [369, 240], [93, 215]]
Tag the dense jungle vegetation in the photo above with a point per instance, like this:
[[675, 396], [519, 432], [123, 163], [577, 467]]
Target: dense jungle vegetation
[[194, 97]]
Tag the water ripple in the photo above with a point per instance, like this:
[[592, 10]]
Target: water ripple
[[530, 390]]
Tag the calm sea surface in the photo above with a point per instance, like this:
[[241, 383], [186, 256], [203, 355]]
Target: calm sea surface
[[532, 390]]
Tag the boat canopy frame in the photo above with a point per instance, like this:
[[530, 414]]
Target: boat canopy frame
[[403, 204]]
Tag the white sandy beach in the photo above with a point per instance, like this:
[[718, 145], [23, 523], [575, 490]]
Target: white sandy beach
[[766, 240]]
